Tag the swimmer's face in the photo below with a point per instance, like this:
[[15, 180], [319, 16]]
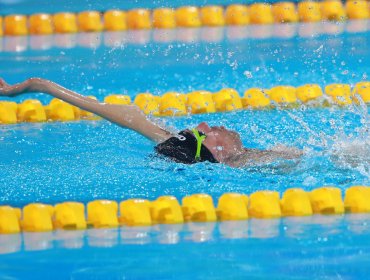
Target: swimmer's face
[[221, 142]]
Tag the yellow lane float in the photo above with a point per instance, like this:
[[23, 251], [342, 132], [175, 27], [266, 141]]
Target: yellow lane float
[[164, 18], [195, 208], [65, 23], [308, 93], [102, 213], [357, 199], [284, 12], [237, 15], [9, 220], [188, 16], [327, 200], [31, 111], [199, 208], [296, 202], [333, 10], [358, 9], [199, 102], [118, 99], [309, 11], [232, 206], [264, 204], [148, 103], [227, 99], [283, 94], [361, 92], [166, 210], [69, 215], [340, 94], [172, 104], [261, 14], [135, 212], [10, 104], [8, 112], [89, 21], [139, 19], [212, 16], [41, 24], [37, 217], [15, 25], [115, 20], [58, 110], [255, 98]]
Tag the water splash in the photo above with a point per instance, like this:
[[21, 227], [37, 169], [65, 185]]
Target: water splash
[[346, 149]]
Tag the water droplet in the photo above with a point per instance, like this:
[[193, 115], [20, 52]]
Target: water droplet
[[248, 74]]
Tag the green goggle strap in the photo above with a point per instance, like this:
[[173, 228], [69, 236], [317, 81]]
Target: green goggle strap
[[199, 139]]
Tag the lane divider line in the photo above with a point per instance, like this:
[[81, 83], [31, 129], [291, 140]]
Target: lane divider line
[[196, 102], [185, 16], [38, 217]]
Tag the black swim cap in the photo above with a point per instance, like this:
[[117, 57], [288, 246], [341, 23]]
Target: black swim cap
[[182, 148]]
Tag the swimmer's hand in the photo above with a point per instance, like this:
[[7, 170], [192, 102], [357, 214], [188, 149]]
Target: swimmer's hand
[[29, 85], [127, 116]]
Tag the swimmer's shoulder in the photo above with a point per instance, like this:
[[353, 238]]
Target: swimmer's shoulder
[[254, 157]]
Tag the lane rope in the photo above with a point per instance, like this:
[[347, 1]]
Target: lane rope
[[186, 16], [196, 102], [38, 217]]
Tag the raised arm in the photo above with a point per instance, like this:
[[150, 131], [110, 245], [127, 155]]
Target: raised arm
[[129, 116]]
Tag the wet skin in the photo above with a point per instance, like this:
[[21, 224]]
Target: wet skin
[[227, 147], [221, 142]]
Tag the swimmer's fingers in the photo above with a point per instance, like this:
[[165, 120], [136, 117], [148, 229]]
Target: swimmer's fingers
[[3, 86], [2, 82], [12, 90]]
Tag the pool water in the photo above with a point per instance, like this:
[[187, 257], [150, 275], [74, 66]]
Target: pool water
[[318, 247], [83, 161], [87, 160]]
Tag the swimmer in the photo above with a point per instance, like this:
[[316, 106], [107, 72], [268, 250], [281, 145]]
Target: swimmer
[[215, 144]]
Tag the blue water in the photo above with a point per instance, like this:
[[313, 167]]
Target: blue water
[[193, 59], [318, 247], [86, 160], [90, 160]]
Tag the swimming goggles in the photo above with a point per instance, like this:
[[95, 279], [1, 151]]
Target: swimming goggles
[[200, 139]]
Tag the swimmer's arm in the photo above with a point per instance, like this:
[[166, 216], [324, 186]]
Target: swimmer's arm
[[129, 116], [251, 157]]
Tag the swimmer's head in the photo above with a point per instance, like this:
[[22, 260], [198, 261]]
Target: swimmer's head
[[221, 142], [183, 148], [219, 145]]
